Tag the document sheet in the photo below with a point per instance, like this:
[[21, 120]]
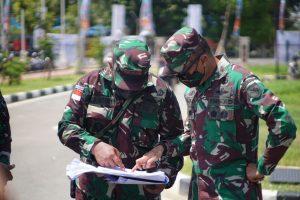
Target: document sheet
[[116, 175]]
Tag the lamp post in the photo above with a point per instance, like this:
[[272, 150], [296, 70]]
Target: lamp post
[[23, 42], [3, 38], [62, 61], [80, 41], [43, 10], [220, 48], [83, 14]]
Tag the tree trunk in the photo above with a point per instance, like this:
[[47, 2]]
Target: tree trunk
[[221, 44]]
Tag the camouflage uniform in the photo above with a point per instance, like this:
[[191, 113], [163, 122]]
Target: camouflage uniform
[[222, 130], [152, 117], [5, 134]]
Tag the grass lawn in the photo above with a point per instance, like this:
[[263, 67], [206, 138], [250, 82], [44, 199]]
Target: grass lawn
[[40, 83], [261, 70], [289, 92], [34, 84]]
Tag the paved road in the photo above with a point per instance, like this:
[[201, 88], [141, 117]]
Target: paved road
[[39, 156]]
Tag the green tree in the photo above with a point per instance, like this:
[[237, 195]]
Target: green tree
[[291, 14], [11, 68], [45, 45], [72, 21], [100, 13], [32, 11], [257, 21]]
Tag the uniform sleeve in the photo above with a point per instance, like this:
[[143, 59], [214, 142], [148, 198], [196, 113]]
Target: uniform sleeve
[[5, 133], [281, 127], [182, 143], [71, 131], [170, 128], [180, 146]]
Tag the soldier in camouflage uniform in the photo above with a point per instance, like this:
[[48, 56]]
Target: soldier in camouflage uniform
[[225, 102], [153, 117], [5, 144]]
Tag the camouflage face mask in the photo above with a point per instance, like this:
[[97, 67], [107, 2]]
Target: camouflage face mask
[[192, 80], [196, 77]]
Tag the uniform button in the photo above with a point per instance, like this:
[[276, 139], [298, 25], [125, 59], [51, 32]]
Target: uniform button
[[213, 113], [224, 114]]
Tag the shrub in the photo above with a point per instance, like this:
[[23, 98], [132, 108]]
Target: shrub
[[95, 49], [13, 70], [45, 45]]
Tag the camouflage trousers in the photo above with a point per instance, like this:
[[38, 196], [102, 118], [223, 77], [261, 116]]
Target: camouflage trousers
[[92, 187], [227, 182]]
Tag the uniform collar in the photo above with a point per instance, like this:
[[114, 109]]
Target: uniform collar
[[222, 66], [220, 72], [151, 82], [106, 73]]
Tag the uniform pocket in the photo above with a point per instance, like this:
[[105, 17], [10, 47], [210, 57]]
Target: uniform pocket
[[144, 132], [222, 113], [97, 118], [221, 125], [145, 124], [147, 113]]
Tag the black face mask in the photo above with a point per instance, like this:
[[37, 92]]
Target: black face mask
[[125, 94]]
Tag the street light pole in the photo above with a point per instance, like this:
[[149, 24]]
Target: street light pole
[[220, 48], [62, 16], [3, 45], [80, 51], [23, 43], [62, 62], [43, 10]]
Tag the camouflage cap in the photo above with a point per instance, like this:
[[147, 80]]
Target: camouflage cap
[[179, 47], [131, 59]]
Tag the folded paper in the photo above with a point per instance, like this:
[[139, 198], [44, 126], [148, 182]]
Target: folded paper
[[116, 175]]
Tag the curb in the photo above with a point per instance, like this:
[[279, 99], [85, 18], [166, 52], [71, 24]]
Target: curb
[[20, 96], [184, 183]]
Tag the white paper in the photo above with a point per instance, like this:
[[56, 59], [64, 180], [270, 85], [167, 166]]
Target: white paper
[[76, 168]]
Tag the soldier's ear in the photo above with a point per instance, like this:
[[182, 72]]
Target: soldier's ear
[[202, 62], [204, 59]]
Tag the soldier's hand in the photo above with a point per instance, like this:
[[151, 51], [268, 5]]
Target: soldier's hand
[[5, 173], [149, 159], [154, 189], [253, 174], [107, 155]]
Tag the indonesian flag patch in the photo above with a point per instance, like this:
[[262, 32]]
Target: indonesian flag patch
[[77, 93]]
